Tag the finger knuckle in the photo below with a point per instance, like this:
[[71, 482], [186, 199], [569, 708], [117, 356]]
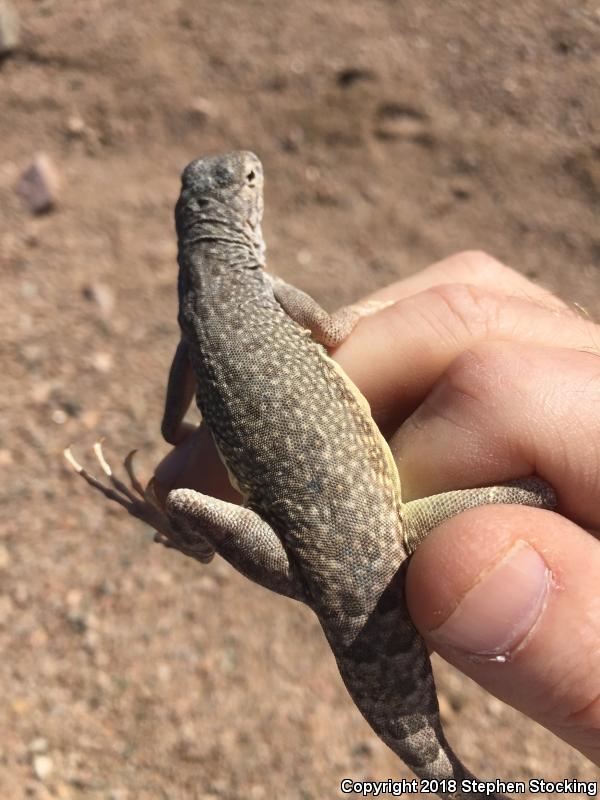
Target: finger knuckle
[[484, 266], [470, 308], [483, 372]]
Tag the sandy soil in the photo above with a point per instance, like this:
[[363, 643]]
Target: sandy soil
[[392, 133]]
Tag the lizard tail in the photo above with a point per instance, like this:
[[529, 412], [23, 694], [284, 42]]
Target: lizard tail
[[388, 673]]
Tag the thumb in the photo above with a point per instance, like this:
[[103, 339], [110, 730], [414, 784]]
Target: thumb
[[510, 596]]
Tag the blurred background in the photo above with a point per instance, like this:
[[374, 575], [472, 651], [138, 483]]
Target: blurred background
[[392, 134]]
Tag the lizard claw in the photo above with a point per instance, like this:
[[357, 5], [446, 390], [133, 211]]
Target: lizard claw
[[137, 501]]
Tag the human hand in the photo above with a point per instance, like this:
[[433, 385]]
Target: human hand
[[477, 376]]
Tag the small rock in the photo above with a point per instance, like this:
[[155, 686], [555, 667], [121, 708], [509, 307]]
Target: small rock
[[201, 109], [460, 189], [75, 126], [76, 129], [400, 121], [303, 257], [101, 295], [9, 29], [351, 75], [74, 598], [42, 767], [38, 745], [58, 416], [102, 362], [297, 66], [78, 621], [293, 140], [39, 183]]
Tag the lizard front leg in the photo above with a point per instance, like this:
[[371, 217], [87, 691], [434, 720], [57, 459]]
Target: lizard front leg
[[180, 391], [238, 534], [329, 330]]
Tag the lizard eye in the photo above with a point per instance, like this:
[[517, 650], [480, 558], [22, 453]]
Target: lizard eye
[[250, 176]]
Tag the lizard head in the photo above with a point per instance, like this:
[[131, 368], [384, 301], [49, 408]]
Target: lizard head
[[231, 181]]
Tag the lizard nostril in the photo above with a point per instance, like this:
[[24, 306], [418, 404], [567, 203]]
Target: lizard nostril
[[250, 176]]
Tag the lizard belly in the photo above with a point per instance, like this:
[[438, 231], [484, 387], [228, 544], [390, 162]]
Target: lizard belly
[[300, 444]]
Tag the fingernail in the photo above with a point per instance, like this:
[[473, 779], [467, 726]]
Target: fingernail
[[498, 612]]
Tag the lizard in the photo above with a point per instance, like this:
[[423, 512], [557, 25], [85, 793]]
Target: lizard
[[322, 520]]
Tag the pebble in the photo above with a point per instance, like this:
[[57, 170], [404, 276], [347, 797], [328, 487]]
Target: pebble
[[202, 109], [304, 257], [42, 767], [351, 75], [75, 126], [461, 189], [58, 416], [293, 140], [102, 362], [398, 121], [38, 745], [9, 29], [76, 129], [102, 295], [39, 184]]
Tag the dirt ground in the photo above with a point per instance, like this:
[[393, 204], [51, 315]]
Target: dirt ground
[[392, 134]]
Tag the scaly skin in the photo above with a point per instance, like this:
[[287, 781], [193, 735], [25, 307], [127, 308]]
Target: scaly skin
[[323, 520]]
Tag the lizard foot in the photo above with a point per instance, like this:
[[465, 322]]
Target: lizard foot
[[140, 503]]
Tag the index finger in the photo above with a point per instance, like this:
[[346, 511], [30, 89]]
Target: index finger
[[396, 356], [475, 268]]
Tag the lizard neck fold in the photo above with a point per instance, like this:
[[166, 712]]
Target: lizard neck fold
[[209, 232]]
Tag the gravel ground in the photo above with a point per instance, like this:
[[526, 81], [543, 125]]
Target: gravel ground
[[392, 134]]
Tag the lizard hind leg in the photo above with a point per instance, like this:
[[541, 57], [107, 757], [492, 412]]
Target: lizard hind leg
[[238, 534], [419, 517], [137, 501]]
